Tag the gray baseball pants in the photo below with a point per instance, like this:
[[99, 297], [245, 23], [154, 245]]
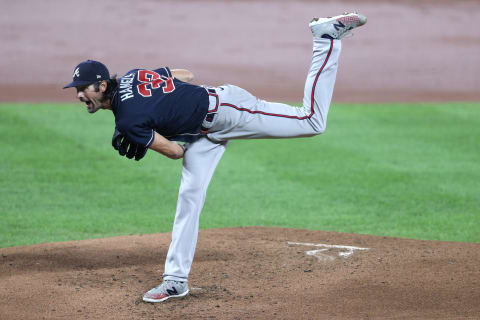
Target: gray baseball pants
[[240, 115]]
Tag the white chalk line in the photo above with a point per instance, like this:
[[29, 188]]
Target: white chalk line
[[318, 253]]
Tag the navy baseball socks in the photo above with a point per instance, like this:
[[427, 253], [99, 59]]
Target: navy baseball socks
[[337, 27], [168, 289]]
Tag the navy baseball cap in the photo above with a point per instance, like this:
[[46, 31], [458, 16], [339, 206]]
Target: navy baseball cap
[[88, 72]]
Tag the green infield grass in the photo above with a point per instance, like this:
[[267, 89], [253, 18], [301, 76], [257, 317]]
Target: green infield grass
[[409, 171]]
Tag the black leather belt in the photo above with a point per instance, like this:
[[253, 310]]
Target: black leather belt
[[212, 111]]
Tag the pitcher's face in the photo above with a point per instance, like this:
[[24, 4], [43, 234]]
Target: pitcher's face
[[93, 99]]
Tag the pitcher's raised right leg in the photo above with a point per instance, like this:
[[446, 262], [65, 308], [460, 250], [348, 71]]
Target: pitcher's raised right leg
[[243, 116]]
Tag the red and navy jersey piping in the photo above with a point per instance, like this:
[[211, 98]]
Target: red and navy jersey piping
[[312, 109]]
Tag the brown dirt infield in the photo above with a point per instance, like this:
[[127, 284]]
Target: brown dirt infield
[[245, 273]]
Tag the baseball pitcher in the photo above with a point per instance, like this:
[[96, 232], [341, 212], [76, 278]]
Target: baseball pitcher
[[157, 109]]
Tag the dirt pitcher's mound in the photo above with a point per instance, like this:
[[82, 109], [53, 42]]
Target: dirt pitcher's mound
[[245, 273]]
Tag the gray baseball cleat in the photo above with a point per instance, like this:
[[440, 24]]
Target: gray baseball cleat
[[337, 27], [168, 289]]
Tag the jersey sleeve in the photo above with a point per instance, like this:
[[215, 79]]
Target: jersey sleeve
[[165, 71], [140, 134]]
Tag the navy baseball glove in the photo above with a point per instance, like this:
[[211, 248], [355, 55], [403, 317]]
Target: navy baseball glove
[[126, 147]]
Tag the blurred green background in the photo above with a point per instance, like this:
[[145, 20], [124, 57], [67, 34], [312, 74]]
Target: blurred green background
[[392, 170]]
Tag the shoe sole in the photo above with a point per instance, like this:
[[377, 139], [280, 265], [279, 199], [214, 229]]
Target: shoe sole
[[324, 20], [166, 298], [328, 20]]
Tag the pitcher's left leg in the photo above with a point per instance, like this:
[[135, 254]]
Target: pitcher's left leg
[[199, 163]]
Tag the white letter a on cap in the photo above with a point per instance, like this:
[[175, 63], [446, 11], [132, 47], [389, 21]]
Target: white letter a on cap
[[76, 73]]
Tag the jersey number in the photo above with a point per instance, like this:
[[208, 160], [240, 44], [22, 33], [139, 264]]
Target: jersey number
[[152, 80]]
